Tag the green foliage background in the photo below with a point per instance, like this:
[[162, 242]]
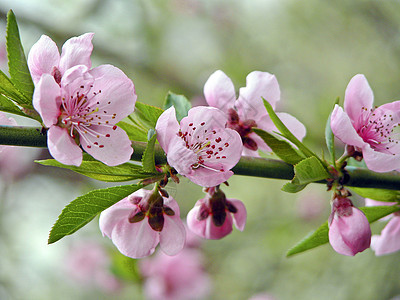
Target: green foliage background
[[313, 47]]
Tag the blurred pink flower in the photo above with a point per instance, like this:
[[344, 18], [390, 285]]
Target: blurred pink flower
[[15, 161], [179, 277], [389, 239], [369, 132], [213, 216], [137, 223], [349, 230], [89, 265], [200, 147], [248, 110], [262, 296]]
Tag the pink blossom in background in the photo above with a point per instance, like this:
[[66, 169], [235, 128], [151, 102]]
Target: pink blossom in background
[[44, 58], [179, 277], [389, 240], [372, 132], [262, 296], [141, 221], [89, 265], [349, 230], [248, 110], [15, 162], [213, 216], [200, 147], [81, 106]]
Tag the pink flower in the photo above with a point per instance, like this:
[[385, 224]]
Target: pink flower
[[15, 162], [213, 216], [137, 223], [44, 57], [349, 230], [371, 132], [179, 277], [88, 264], [389, 239], [81, 106], [200, 147], [248, 110]]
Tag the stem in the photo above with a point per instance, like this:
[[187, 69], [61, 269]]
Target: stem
[[248, 166]]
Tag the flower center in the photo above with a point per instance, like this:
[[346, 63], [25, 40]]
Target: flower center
[[207, 144], [379, 129], [244, 128]]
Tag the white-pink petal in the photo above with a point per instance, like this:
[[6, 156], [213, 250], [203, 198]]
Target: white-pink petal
[[76, 51], [111, 145], [219, 91], [167, 127], [258, 85], [358, 95], [43, 57], [389, 240], [240, 217], [46, 100], [173, 235], [379, 161], [343, 129], [63, 147]]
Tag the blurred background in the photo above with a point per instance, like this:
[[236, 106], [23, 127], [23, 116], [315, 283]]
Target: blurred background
[[313, 47]]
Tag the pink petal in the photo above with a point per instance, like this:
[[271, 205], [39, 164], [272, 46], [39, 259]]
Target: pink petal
[[219, 91], [389, 240], [294, 125], [211, 116], [343, 129], [239, 218], [74, 77], [43, 57], [358, 95], [135, 240], [76, 51], [114, 214], [63, 147], [180, 157], [258, 85], [167, 127], [209, 178], [173, 235], [46, 99], [115, 91], [349, 235], [380, 162], [113, 145]]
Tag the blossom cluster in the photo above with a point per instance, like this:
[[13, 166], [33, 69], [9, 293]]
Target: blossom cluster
[[80, 107]]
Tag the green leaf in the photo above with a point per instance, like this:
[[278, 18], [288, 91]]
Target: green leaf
[[148, 160], [124, 267], [329, 137], [99, 171], [8, 89], [181, 104], [280, 147], [285, 131], [138, 124], [293, 188], [8, 106], [378, 194], [17, 65], [320, 236], [84, 208], [309, 170]]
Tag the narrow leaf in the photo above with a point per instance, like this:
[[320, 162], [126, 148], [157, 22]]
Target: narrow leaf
[[285, 131], [84, 208], [309, 170], [181, 104], [99, 171], [8, 106], [280, 147], [148, 160], [320, 236], [17, 65], [135, 132], [378, 194], [8, 89], [147, 114]]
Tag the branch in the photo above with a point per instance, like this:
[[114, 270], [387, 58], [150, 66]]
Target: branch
[[248, 166]]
